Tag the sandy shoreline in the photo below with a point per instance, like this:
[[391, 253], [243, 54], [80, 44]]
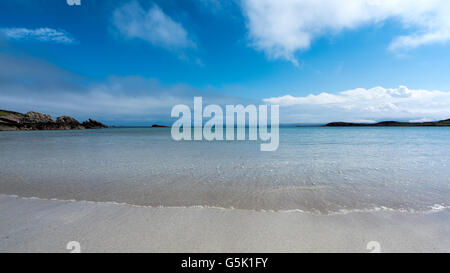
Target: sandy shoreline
[[36, 225]]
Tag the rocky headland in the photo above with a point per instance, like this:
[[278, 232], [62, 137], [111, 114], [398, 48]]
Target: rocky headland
[[13, 121], [159, 126], [441, 123]]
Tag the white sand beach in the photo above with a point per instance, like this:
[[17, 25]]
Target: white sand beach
[[38, 225]]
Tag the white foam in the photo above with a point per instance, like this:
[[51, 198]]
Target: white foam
[[433, 209], [438, 207]]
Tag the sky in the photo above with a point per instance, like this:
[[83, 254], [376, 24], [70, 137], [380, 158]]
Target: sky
[[129, 62]]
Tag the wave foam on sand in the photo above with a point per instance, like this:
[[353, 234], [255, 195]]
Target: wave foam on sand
[[37, 225], [432, 208]]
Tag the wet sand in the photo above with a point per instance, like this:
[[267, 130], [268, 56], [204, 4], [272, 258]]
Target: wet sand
[[38, 225]]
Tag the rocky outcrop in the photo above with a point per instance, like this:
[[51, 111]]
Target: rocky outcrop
[[159, 126], [10, 121], [13, 121], [441, 123], [93, 124], [36, 121], [35, 117], [68, 123]]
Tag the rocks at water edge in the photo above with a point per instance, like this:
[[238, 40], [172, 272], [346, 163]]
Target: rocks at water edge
[[92, 124], [13, 121], [68, 123]]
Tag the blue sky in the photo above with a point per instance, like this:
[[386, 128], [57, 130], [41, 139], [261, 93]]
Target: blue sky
[[142, 56]]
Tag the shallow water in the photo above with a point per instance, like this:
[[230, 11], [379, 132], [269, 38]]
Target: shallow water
[[316, 169]]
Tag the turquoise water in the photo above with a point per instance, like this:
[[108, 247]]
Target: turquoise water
[[316, 169]]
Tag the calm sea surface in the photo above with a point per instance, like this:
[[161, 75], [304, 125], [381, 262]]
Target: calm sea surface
[[317, 170]]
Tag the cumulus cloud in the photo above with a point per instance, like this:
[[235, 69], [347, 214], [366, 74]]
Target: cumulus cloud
[[280, 28], [153, 25], [361, 104], [39, 34]]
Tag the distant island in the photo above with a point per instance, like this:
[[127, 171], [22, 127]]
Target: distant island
[[139, 126], [13, 121], [441, 123]]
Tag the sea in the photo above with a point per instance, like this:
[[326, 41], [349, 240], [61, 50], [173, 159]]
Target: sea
[[317, 170]]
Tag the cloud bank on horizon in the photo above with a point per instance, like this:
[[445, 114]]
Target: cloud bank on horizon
[[281, 28], [366, 105], [32, 84], [133, 98]]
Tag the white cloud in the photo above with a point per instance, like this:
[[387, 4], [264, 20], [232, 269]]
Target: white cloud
[[39, 34], [413, 41], [282, 27], [366, 104], [153, 25]]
